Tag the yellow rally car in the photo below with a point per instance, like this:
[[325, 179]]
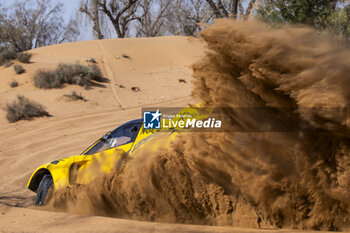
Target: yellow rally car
[[101, 157]]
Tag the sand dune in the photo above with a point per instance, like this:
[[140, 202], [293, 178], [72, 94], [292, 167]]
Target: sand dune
[[154, 66]]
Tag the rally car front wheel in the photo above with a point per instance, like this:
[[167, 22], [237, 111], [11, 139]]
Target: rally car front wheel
[[45, 185]]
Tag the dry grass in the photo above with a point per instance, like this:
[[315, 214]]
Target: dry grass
[[77, 74], [46, 79], [24, 109], [74, 96]]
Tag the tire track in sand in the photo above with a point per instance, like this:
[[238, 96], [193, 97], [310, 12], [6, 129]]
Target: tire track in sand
[[105, 57]]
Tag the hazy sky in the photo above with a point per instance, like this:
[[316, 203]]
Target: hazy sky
[[69, 6]]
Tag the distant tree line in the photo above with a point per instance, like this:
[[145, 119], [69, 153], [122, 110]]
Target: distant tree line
[[150, 18], [34, 23], [185, 17], [324, 15]]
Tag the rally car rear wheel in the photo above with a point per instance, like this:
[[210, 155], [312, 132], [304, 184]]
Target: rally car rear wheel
[[45, 185]]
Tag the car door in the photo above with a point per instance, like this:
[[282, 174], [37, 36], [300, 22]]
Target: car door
[[104, 154]]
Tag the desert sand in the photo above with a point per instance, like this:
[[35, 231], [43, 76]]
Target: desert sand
[[154, 66]]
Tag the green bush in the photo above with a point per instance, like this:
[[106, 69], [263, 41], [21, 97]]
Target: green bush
[[24, 57], [68, 73], [24, 109], [19, 69]]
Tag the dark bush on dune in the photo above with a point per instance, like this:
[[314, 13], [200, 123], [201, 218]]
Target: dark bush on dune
[[24, 57], [14, 84], [19, 69], [24, 109], [46, 79], [6, 55], [74, 96], [8, 64], [68, 73]]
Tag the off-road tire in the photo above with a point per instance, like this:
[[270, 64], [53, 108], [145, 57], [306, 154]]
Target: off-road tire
[[45, 185]]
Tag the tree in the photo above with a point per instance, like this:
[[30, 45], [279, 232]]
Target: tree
[[153, 18], [91, 9], [230, 8], [321, 14], [158, 17], [298, 11], [187, 15], [339, 22], [33, 24], [245, 14], [219, 10], [119, 12]]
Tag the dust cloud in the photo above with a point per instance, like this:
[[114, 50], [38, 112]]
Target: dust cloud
[[270, 179]]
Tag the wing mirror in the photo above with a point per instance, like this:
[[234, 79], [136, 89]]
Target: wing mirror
[[105, 137]]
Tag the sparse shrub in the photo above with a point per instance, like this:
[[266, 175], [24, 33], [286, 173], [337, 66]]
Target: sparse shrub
[[24, 109], [74, 96], [45, 79], [95, 74], [19, 69], [68, 73], [24, 57], [14, 84], [6, 55], [8, 63]]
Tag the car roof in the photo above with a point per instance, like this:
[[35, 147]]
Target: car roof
[[136, 121]]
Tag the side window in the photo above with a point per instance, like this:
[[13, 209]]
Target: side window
[[123, 135], [96, 148], [131, 131], [118, 137]]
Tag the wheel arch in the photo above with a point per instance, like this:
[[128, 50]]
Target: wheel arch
[[36, 178]]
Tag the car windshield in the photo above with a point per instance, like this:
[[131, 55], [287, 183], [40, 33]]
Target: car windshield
[[120, 136]]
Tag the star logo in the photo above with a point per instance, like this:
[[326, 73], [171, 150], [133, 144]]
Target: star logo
[[151, 120], [156, 115]]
